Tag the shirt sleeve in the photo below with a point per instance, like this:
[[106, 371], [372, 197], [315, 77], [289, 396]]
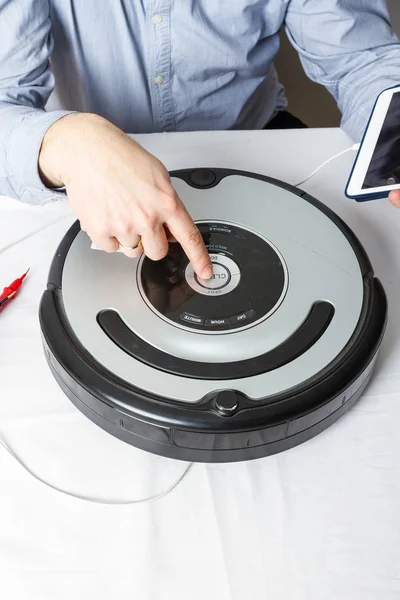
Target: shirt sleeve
[[26, 83], [349, 47]]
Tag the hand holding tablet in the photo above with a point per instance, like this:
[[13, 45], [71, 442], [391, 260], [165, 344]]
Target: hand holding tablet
[[376, 170]]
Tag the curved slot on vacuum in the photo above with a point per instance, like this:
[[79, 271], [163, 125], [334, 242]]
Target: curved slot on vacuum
[[311, 330]]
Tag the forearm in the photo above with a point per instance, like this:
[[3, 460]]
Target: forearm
[[350, 48], [355, 81], [360, 87], [62, 141], [22, 130]]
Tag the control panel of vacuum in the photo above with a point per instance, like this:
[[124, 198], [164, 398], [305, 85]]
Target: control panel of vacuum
[[249, 281]]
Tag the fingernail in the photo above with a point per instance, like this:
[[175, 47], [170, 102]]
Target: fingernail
[[208, 271]]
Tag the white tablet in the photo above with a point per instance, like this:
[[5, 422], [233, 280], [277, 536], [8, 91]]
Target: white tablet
[[376, 170]]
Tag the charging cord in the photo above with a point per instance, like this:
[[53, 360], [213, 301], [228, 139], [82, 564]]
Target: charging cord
[[12, 453], [355, 147], [93, 500]]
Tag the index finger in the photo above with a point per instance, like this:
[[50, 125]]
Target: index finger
[[187, 234]]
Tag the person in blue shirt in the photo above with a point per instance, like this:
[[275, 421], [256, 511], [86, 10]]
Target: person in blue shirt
[[136, 66]]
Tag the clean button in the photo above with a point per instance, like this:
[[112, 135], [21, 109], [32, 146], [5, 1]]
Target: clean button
[[157, 19], [220, 278], [226, 261], [218, 285]]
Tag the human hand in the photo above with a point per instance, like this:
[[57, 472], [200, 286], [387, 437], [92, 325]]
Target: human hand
[[121, 194]]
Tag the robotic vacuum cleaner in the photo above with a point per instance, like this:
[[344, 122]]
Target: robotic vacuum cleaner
[[269, 352]]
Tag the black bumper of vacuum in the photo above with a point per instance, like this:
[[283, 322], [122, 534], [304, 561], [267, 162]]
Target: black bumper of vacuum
[[205, 432]]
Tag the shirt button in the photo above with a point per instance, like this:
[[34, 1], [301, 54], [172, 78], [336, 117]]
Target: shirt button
[[157, 19], [159, 79]]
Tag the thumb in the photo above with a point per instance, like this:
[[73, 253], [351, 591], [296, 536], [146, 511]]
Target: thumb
[[394, 198]]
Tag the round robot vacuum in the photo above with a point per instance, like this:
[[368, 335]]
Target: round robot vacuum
[[269, 352]]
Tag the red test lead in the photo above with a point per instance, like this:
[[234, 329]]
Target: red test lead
[[10, 291]]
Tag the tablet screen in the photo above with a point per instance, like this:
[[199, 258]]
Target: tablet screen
[[384, 168]]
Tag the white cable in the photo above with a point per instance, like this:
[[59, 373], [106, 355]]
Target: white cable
[[354, 147], [95, 500], [46, 483]]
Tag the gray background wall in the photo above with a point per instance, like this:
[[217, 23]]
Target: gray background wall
[[308, 100]]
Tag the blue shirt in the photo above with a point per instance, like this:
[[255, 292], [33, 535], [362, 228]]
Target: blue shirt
[[177, 65]]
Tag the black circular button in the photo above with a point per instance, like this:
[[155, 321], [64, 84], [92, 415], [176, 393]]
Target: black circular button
[[226, 402], [202, 177]]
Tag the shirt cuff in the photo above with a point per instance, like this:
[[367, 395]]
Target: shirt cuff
[[356, 118], [23, 155]]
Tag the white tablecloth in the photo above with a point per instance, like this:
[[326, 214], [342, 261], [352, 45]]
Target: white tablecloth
[[319, 522]]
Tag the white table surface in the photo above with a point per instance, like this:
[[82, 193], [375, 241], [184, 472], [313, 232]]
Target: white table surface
[[318, 522]]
